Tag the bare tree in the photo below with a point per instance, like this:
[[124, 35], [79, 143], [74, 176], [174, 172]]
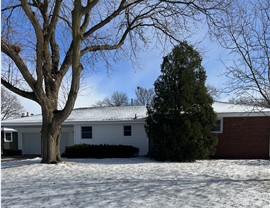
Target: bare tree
[[213, 91], [65, 88], [143, 96], [10, 105], [48, 40], [244, 29], [249, 101], [116, 99]]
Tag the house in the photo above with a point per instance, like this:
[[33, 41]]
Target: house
[[97, 125], [243, 131]]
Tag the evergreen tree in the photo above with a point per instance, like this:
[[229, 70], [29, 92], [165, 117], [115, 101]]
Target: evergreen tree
[[180, 118]]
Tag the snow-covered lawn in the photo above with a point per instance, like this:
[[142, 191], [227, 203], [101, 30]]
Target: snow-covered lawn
[[136, 182]]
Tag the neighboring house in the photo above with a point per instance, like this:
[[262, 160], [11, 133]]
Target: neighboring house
[[243, 132], [9, 141]]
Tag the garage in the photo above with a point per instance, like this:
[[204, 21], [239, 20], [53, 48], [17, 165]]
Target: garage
[[31, 143]]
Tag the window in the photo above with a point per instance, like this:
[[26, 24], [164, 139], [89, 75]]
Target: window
[[127, 130], [218, 126], [8, 137], [86, 132]]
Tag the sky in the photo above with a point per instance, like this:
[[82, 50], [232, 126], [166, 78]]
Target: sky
[[124, 76]]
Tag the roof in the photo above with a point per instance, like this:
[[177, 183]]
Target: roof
[[236, 110], [134, 113], [92, 114], [8, 130], [121, 113]]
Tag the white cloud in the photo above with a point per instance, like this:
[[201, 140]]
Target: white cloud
[[125, 77]]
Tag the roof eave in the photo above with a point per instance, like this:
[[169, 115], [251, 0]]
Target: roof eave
[[243, 114], [13, 124]]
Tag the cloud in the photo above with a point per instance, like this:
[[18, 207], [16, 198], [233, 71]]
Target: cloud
[[125, 76]]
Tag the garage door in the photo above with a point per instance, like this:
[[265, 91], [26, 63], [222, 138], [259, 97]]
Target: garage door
[[32, 143], [64, 141]]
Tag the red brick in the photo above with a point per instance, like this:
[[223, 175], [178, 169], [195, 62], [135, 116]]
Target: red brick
[[244, 137]]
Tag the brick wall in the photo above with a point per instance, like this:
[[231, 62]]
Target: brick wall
[[246, 138]]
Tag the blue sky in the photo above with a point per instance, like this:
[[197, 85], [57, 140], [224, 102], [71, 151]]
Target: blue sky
[[125, 76]]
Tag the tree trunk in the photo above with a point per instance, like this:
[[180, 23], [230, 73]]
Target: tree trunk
[[50, 137]]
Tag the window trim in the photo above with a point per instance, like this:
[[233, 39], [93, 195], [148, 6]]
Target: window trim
[[86, 132], [221, 126], [5, 137], [124, 131]]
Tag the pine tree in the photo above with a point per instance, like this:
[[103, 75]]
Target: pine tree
[[180, 117]]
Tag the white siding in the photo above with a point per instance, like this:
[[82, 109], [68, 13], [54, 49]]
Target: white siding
[[113, 133], [29, 139]]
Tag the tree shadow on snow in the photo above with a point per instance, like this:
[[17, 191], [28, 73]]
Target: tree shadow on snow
[[110, 161], [18, 163], [258, 162]]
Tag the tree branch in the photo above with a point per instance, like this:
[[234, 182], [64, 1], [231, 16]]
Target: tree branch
[[54, 19], [55, 55], [25, 94], [120, 8], [76, 64], [89, 6], [107, 47], [11, 7], [10, 51], [39, 35]]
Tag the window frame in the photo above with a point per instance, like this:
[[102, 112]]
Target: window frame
[[125, 131], [221, 127], [5, 137], [87, 132]]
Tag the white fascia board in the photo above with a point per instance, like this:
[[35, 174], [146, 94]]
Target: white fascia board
[[65, 123], [243, 114], [11, 125], [135, 121]]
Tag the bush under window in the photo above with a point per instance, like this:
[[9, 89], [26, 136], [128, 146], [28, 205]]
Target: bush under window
[[100, 151]]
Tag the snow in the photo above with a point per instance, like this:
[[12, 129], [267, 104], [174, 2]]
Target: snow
[[136, 182], [8, 129], [222, 107], [133, 113], [119, 113]]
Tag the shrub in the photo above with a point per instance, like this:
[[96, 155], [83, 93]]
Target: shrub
[[100, 151]]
